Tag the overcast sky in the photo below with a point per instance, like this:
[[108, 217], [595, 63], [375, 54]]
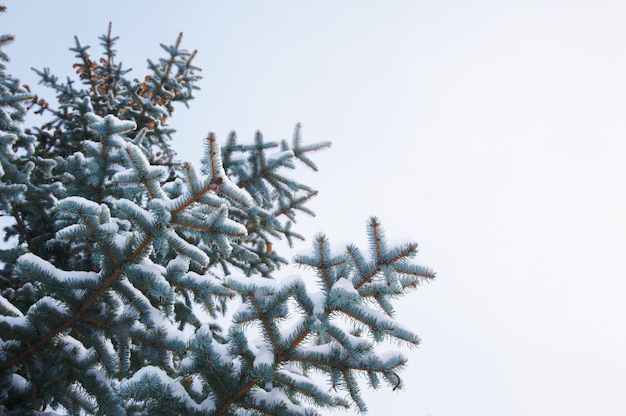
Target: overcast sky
[[490, 132]]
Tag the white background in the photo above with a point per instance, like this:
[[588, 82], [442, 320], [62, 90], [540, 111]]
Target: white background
[[491, 132]]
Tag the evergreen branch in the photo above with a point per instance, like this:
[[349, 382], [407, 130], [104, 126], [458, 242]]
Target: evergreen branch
[[85, 70], [242, 350], [214, 158], [21, 225], [164, 76], [296, 203], [184, 248], [362, 317], [216, 223], [294, 344], [304, 387], [93, 232], [134, 157], [83, 209], [108, 42], [367, 279], [317, 363], [384, 304], [222, 411], [260, 147], [353, 389], [379, 323], [375, 233], [194, 198], [265, 322], [416, 271], [216, 377], [404, 252], [323, 261], [139, 216], [199, 226], [235, 193], [78, 401], [354, 351], [11, 100], [76, 316], [323, 269], [104, 157], [299, 150], [357, 260], [258, 408]]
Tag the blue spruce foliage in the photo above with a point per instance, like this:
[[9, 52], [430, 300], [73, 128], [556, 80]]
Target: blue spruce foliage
[[136, 285]]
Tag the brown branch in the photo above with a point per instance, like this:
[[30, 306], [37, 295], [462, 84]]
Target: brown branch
[[104, 155], [67, 324], [187, 169], [293, 206], [264, 322], [404, 253], [245, 389], [367, 279], [129, 335], [293, 345], [164, 78], [93, 232], [195, 198], [88, 74], [142, 178], [21, 225], [323, 266], [210, 228], [374, 223], [254, 178], [341, 367], [213, 152]]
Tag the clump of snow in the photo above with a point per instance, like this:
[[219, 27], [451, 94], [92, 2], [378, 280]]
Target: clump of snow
[[8, 307], [276, 395], [319, 302], [277, 156], [19, 383], [34, 262], [75, 348], [345, 285], [175, 388], [264, 354]]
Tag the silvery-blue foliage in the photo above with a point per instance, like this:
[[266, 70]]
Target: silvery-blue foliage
[[115, 298]]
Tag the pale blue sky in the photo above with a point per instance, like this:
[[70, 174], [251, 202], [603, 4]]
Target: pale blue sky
[[491, 132]]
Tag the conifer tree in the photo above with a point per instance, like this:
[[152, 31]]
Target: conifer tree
[[136, 284]]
